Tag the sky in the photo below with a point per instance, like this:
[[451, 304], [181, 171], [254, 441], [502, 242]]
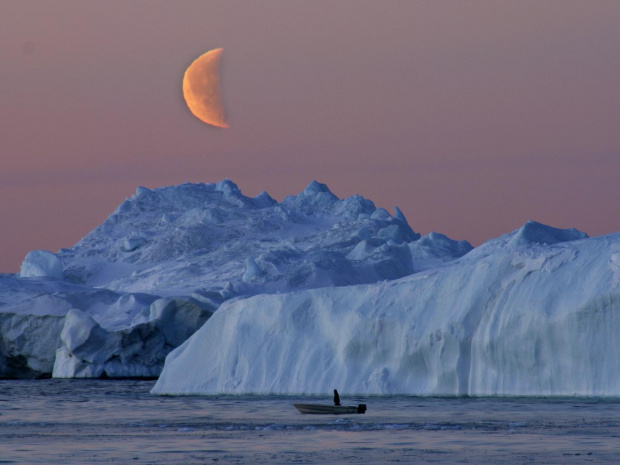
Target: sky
[[471, 116]]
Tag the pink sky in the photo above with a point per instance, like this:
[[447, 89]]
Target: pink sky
[[471, 116]]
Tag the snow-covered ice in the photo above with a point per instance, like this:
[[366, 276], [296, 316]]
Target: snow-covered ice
[[139, 284], [41, 263]]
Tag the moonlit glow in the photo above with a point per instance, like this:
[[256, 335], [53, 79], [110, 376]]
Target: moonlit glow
[[201, 89]]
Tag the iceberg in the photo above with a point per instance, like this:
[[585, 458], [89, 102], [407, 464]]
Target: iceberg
[[138, 285], [216, 292], [534, 312]]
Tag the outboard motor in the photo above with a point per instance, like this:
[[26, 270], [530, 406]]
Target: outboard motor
[[361, 408]]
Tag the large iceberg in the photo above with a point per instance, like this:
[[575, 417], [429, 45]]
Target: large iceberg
[[249, 295], [137, 286], [534, 312]]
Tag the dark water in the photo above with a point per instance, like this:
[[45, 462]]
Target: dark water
[[119, 422]]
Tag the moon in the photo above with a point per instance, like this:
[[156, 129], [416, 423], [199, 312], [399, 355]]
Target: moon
[[201, 89]]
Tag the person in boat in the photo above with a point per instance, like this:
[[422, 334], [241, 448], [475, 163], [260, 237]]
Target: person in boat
[[336, 398]]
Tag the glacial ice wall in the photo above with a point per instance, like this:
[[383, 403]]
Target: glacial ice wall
[[525, 314]]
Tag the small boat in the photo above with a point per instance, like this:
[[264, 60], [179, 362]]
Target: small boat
[[321, 409]]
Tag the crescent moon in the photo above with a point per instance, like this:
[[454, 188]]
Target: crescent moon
[[201, 89]]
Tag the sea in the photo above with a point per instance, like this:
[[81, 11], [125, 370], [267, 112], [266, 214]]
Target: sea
[[119, 422]]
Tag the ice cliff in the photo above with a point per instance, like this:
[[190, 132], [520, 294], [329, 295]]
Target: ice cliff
[[137, 286], [534, 312]]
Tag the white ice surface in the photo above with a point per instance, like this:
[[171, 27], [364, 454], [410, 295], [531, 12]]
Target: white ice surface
[[525, 314], [197, 245], [520, 314], [41, 263], [202, 237]]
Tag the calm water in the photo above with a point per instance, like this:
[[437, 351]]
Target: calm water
[[119, 422]]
